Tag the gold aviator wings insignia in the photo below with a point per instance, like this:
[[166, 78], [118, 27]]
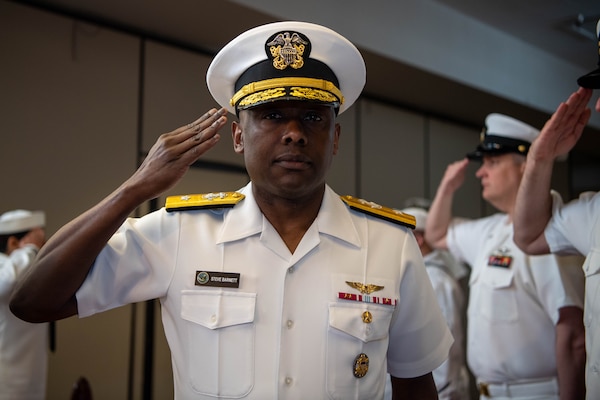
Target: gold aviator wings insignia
[[364, 289]]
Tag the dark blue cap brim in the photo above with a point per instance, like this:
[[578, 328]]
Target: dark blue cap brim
[[495, 145], [591, 80], [479, 153]]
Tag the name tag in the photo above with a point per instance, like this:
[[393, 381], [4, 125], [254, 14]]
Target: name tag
[[217, 279]]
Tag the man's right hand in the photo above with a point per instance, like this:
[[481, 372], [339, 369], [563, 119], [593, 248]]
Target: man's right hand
[[173, 153], [454, 176]]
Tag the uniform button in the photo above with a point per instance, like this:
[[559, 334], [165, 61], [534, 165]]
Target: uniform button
[[288, 381], [290, 323], [367, 317], [291, 270], [213, 318]]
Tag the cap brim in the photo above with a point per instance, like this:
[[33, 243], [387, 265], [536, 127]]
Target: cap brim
[[335, 105], [478, 154], [591, 80]]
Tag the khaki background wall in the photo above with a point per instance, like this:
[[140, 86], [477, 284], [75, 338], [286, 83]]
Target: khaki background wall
[[82, 104]]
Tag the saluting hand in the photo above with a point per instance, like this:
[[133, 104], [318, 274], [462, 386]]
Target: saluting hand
[[454, 176], [36, 236], [562, 131], [173, 153]]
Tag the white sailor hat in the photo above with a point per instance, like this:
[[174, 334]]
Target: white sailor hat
[[592, 80], [420, 215], [287, 61], [504, 134], [17, 221]]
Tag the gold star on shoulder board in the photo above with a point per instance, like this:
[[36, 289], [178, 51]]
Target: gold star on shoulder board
[[364, 289]]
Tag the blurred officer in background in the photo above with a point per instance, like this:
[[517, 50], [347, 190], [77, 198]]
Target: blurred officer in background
[[23, 346], [543, 224], [452, 377], [525, 336]]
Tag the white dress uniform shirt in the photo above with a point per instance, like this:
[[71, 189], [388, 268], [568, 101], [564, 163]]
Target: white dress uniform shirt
[[514, 305], [23, 346], [575, 228], [451, 378], [286, 332]]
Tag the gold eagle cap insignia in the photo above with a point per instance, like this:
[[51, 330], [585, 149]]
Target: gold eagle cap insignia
[[365, 289]]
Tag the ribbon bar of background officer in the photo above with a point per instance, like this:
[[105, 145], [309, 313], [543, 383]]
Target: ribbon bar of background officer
[[367, 299]]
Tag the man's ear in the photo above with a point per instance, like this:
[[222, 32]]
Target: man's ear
[[420, 236], [238, 137], [12, 244], [336, 138]]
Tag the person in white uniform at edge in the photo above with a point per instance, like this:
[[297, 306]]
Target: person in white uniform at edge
[[544, 224], [23, 346], [280, 290], [452, 377], [547, 225], [525, 335]]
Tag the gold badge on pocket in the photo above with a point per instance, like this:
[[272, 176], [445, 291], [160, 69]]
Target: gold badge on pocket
[[361, 365]]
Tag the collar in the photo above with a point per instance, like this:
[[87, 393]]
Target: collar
[[246, 219]]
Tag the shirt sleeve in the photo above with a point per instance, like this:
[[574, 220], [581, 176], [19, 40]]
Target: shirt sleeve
[[569, 230], [419, 337], [135, 265], [559, 282]]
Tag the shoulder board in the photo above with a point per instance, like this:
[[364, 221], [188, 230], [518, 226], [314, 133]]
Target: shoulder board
[[203, 201], [376, 210]]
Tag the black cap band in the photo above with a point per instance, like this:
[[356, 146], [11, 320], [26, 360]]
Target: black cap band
[[493, 144]]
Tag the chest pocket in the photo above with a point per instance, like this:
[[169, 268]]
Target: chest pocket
[[494, 295], [356, 328], [214, 318]]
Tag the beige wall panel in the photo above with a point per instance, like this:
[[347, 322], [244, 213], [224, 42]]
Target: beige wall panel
[[162, 372], [175, 94], [448, 143], [342, 176], [69, 103], [392, 149], [97, 348]]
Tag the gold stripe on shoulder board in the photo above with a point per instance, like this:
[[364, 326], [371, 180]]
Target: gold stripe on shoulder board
[[376, 210], [199, 201]]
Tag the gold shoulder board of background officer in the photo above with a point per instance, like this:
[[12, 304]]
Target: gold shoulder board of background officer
[[203, 201], [379, 211]]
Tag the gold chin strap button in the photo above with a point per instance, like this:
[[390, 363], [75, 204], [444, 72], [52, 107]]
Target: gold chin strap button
[[367, 317]]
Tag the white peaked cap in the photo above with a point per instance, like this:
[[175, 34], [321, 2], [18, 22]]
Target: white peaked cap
[[21, 221], [420, 215], [288, 60]]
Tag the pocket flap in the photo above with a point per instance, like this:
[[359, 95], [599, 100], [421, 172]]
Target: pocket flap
[[497, 278], [348, 318], [591, 266], [217, 309]]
